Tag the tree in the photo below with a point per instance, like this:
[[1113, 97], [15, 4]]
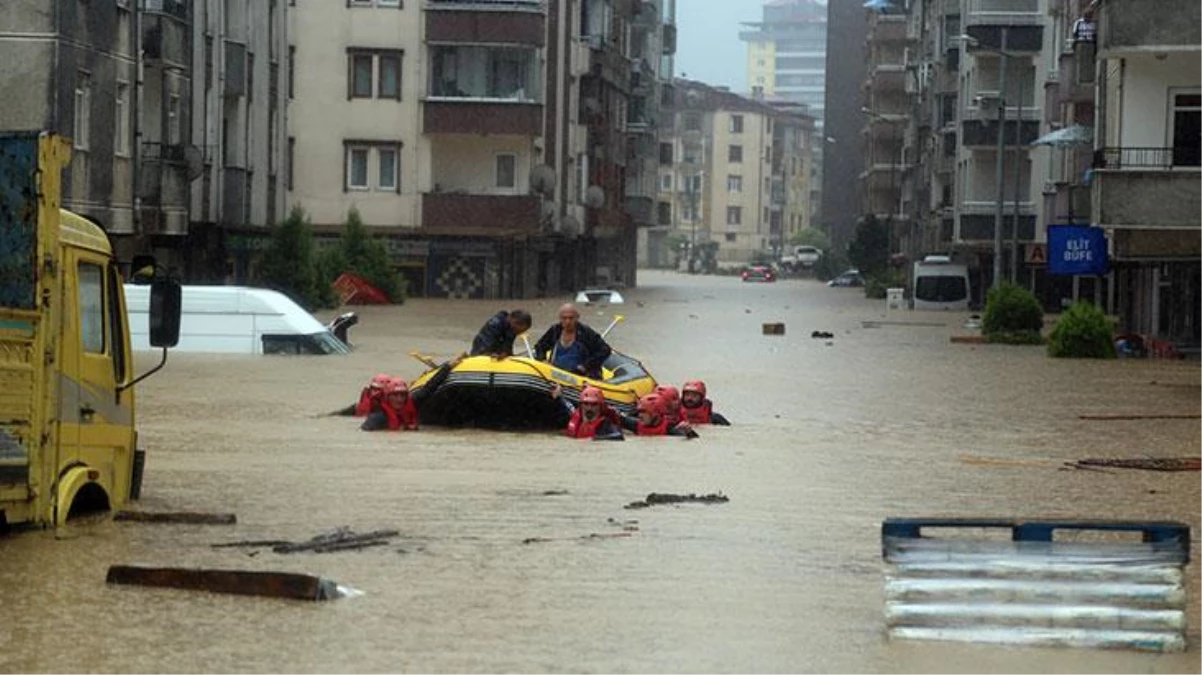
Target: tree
[[288, 264], [869, 249], [367, 256], [811, 236]]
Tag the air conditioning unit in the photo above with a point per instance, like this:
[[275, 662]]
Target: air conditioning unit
[[1049, 188]]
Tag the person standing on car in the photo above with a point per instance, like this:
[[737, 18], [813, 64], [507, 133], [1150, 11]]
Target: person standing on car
[[496, 337], [573, 346]]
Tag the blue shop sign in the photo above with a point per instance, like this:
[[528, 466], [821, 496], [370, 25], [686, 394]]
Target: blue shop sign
[[1077, 250]]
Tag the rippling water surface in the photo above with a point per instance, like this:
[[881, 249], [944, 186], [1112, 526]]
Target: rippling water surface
[[829, 439]]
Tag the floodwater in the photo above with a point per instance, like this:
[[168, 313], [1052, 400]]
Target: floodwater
[[829, 439]]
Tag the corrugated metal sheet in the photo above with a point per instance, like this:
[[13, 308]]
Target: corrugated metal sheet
[[1075, 584]]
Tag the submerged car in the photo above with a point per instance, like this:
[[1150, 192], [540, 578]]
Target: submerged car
[[848, 279], [759, 273]]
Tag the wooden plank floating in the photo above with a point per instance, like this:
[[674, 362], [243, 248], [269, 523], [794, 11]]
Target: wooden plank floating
[[236, 582], [774, 329], [1092, 584], [1148, 416], [178, 517]]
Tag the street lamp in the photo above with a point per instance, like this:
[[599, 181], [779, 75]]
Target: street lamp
[[1001, 162], [897, 143]]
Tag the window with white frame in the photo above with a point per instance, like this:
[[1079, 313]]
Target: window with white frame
[[1186, 135], [506, 174], [734, 183], [734, 215], [391, 4], [665, 182], [734, 154], [83, 109], [736, 124], [121, 120], [373, 166]]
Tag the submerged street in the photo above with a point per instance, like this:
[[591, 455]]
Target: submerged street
[[830, 437]]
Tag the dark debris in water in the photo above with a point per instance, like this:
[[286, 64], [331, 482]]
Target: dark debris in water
[[338, 539], [656, 498]]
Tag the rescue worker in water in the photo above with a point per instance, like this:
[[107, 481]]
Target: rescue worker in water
[[387, 404], [592, 418], [695, 408]]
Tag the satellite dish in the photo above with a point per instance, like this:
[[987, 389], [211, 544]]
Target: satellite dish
[[195, 162], [570, 225], [594, 197], [542, 180]]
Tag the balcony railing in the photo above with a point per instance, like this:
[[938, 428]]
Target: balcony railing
[[1003, 12], [489, 5], [1148, 158]]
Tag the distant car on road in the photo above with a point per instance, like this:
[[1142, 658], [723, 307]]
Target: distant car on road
[[850, 278], [599, 295], [759, 273]]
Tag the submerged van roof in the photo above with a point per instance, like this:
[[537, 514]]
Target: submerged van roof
[[232, 300]]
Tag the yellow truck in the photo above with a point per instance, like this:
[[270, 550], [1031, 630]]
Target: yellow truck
[[67, 436]]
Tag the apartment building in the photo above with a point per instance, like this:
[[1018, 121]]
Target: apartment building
[[492, 143], [71, 68], [786, 59], [1146, 166], [732, 172], [842, 132], [887, 113]]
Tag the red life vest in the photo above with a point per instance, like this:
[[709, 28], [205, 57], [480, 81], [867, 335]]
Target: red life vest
[[660, 429], [700, 414], [405, 418], [578, 427], [369, 400]]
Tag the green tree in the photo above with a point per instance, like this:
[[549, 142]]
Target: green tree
[[869, 248], [811, 236], [367, 256], [288, 264]]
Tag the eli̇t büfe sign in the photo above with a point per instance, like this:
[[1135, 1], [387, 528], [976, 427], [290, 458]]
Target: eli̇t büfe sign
[[1076, 250]]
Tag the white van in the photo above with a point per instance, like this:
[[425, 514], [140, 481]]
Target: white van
[[236, 320], [940, 284]]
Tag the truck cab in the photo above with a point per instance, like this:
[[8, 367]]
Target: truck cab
[[67, 404]]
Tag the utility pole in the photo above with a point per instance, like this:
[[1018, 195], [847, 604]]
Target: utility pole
[[1018, 168], [1001, 164]]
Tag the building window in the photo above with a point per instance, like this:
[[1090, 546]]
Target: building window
[[736, 124], [1187, 128], [663, 213], [83, 109], [291, 161], [381, 159], [382, 67], [734, 183], [509, 73], [390, 76], [361, 67], [734, 215], [292, 71], [356, 169], [731, 237], [91, 307], [665, 182], [173, 121], [391, 4], [388, 168], [506, 171], [692, 122], [121, 115], [766, 216], [735, 154], [665, 153]]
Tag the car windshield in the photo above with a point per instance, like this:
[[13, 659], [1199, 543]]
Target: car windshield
[[623, 369]]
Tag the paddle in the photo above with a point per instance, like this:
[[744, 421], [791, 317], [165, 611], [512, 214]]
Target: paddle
[[424, 359], [613, 323], [529, 349]]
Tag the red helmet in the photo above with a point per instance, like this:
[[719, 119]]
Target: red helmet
[[380, 381], [667, 392], [592, 395], [695, 385], [651, 403], [397, 386]]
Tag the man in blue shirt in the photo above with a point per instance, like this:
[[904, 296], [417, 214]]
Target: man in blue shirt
[[573, 346]]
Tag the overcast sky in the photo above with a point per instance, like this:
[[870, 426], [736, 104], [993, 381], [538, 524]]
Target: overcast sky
[[708, 46]]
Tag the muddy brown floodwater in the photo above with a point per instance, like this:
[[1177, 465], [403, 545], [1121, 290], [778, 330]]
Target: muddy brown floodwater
[[829, 439]]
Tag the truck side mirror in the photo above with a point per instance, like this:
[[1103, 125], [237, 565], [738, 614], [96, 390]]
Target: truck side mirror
[[141, 270], [166, 304]]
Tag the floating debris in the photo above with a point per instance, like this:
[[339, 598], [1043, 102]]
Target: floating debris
[[554, 493], [237, 582], [1143, 464], [656, 498], [773, 329], [1136, 416], [338, 539], [179, 517], [822, 335]]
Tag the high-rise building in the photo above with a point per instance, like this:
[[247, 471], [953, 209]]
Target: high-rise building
[[786, 59], [842, 134]]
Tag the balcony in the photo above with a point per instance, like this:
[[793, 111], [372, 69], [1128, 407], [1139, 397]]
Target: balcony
[[480, 215], [988, 207], [477, 116], [1147, 187], [982, 133], [978, 227], [888, 28], [1133, 26], [177, 9], [484, 90], [165, 40], [1068, 202], [1076, 77], [669, 39], [520, 22], [1003, 13]]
